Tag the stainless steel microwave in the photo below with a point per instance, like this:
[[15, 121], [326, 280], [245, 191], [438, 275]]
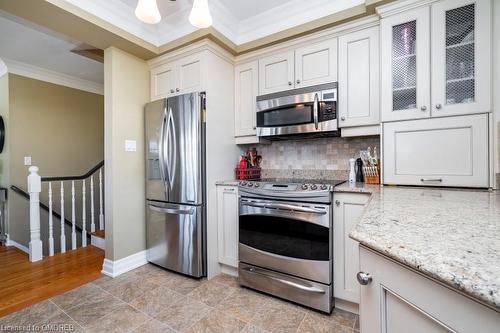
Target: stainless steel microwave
[[303, 111]]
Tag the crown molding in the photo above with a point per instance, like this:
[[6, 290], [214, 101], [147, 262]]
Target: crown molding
[[47, 75], [401, 6]]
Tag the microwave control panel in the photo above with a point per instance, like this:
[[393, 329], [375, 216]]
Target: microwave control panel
[[327, 111]]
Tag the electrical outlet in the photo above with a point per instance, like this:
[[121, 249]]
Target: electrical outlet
[[27, 160], [130, 145]]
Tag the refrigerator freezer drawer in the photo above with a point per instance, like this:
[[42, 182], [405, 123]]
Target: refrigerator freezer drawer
[[174, 237]]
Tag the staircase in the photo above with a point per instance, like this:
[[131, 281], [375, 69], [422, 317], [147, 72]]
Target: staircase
[[89, 223]]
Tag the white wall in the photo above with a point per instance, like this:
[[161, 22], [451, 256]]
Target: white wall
[[126, 90]]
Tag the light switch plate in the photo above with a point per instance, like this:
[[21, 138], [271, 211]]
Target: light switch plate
[[130, 145], [27, 160]]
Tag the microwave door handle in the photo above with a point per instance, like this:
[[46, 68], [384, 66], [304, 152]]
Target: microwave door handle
[[316, 110]]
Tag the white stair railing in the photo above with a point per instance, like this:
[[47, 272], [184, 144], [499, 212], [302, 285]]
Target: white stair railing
[[35, 189]]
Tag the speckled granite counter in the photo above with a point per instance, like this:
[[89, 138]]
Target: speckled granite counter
[[231, 182], [450, 235]]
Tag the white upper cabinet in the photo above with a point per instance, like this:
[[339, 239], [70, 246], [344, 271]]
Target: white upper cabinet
[[276, 73], [405, 65], [163, 81], [316, 64], [359, 75], [448, 151], [178, 77], [461, 57], [246, 89]]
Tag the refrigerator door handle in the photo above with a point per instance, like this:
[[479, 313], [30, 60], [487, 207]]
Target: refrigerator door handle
[[161, 157], [172, 169], [166, 158], [159, 209]]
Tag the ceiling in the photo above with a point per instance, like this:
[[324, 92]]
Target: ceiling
[[240, 21], [23, 42]]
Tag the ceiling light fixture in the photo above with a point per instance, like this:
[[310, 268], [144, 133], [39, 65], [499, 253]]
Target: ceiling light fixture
[[147, 11], [200, 14]]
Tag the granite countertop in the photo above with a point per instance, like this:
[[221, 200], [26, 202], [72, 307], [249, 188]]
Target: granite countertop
[[229, 182], [450, 235]]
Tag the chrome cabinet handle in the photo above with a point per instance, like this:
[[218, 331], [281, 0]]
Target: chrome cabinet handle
[[431, 180], [316, 110], [438, 106], [312, 289], [229, 189], [172, 91], [290, 83], [298, 81], [337, 203], [423, 108], [342, 118], [364, 278], [255, 127], [177, 89]]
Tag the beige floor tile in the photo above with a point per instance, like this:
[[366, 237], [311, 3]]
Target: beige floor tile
[[212, 293], [217, 322], [315, 324], [182, 284], [242, 304], [130, 289], [61, 322], [228, 280], [94, 308], [153, 326], [183, 314], [108, 283], [32, 315], [76, 296], [123, 319], [249, 328], [155, 300], [278, 316]]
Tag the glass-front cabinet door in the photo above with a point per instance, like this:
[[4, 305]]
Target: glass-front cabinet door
[[461, 56], [405, 66]]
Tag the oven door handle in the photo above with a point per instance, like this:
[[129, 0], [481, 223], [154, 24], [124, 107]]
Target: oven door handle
[[257, 271], [285, 206], [316, 110]]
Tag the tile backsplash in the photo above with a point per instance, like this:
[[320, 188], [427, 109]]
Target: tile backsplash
[[323, 157]]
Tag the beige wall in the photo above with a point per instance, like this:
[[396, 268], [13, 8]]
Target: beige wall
[[126, 87], [61, 128]]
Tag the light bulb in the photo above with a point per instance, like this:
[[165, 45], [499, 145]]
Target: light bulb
[[200, 14], [147, 11]]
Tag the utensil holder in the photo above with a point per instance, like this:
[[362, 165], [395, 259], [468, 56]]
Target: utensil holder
[[372, 174], [247, 173]]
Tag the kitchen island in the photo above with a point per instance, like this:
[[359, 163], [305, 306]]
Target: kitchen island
[[450, 236]]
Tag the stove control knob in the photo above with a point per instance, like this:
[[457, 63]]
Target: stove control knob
[[250, 184], [304, 186], [256, 185], [324, 186], [314, 187], [243, 183]]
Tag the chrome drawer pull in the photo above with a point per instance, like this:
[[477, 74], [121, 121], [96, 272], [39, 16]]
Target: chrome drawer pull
[[431, 180], [288, 283]]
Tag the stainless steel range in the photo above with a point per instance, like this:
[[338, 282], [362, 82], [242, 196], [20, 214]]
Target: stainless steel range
[[286, 239]]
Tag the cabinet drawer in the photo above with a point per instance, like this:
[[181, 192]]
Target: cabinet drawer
[[450, 151]]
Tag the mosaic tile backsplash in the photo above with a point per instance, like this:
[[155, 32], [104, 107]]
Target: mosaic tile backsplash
[[313, 158]]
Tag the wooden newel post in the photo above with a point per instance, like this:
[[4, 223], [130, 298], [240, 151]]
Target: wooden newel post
[[34, 189]]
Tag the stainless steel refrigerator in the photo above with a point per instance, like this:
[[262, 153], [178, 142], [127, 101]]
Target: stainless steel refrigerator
[[175, 184]]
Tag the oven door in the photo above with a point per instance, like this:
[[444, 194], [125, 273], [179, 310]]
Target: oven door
[[290, 237]]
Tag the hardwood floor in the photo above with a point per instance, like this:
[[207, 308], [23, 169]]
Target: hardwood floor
[[23, 283]]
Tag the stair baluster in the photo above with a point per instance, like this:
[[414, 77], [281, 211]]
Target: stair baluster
[[73, 216], [63, 234], [34, 189], [51, 223], [92, 222], [101, 212], [84, 219]]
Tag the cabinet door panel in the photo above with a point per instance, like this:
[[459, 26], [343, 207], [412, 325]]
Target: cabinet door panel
[[227, 225], [347, 211], [359, 75], [190, 74], [316, 64], [276, 73], [450, 151], [405, 71], [400, 300], [163, 81], [461, 57], [246, 90]]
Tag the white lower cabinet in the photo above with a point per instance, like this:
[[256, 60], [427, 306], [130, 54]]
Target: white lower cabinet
[[347, 211], [450, 151], [227, 224], [399, 299]]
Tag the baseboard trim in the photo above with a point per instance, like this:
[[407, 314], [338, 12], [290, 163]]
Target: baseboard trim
[[23, 248], [118, 267], [98, 242], [347, 306]]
